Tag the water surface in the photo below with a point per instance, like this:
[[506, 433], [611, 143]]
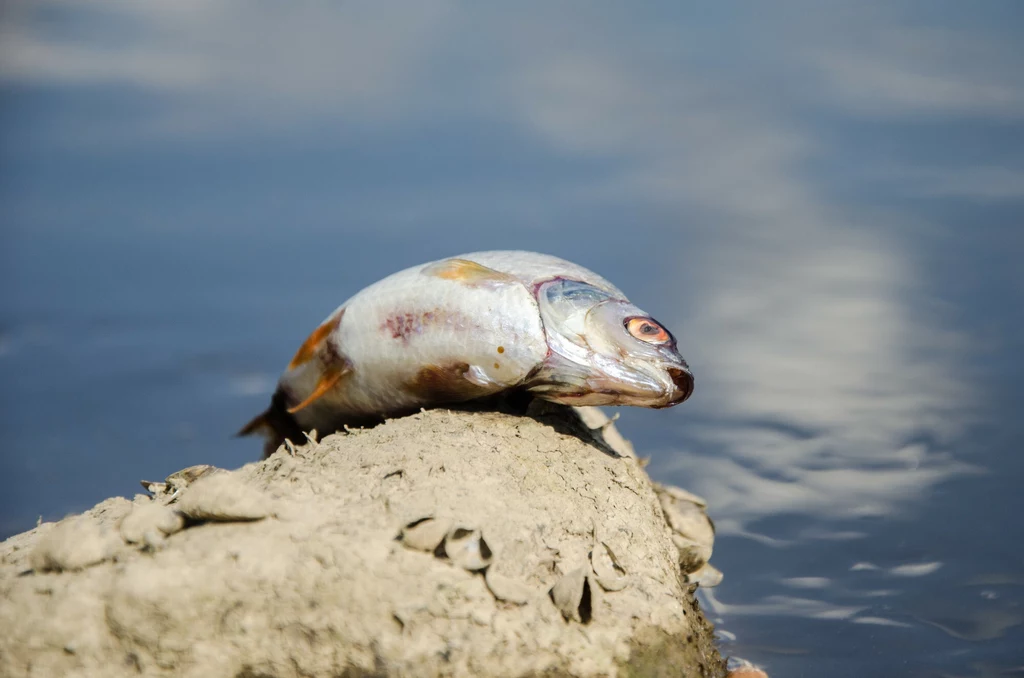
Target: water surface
[[824, 202]]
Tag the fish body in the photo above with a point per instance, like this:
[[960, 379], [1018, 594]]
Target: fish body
[[471, 326]]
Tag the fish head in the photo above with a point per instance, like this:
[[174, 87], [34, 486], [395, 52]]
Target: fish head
[[606, 351]]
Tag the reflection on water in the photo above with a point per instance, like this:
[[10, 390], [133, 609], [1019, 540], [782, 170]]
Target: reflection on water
[[829, 393], [835, 398], [822, 203]]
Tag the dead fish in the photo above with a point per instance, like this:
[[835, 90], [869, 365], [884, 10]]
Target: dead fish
[[459, 329]]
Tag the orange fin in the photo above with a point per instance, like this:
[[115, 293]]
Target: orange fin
[[467, 272], [313, 341], [331, 376]]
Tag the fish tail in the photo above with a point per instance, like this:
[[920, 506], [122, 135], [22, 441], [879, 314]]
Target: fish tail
[[258, 424], [275, 424]]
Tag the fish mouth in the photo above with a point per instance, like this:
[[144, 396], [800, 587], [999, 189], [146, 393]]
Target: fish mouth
[[655, 384], [645, 387], [683, 380], [657, 397]]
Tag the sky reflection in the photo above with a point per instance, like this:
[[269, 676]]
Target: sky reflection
[[823, 201]]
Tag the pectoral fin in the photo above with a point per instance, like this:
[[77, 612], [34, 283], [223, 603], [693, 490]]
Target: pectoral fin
[[467, 272], [331, 375], [456, 382]]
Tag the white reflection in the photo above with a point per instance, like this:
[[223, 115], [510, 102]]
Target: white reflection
[[820, 372], [832, 535], [782, 606], [807, 582], [905, 570], [863, 566], [915, 569], [231, 65], [920, 70], [976, 625], [879, 621]]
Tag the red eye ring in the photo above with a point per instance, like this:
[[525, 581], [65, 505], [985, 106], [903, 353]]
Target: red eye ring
[[647, 330]]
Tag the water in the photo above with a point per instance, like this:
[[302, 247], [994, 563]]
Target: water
[[824, 203]]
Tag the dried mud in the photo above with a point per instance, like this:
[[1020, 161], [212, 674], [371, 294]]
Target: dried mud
[[440, 544]]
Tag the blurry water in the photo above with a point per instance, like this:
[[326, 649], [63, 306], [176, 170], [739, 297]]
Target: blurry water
[[825, 205]]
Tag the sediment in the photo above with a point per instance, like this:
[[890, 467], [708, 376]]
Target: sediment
[[440, 544]]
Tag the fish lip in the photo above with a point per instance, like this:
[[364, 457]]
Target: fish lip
[[683, 380]]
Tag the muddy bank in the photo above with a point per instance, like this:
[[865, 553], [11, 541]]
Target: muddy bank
[[445, 543]]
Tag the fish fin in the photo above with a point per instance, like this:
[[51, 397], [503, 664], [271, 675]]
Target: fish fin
[[476, 375], [332, 374], [275, 424], [467, 272], [313, 341], [259, 424], [456, 382]]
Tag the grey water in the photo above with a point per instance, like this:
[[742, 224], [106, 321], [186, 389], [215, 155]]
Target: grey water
[[824, 202]]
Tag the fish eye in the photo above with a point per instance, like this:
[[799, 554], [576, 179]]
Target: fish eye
[[648, 330]]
